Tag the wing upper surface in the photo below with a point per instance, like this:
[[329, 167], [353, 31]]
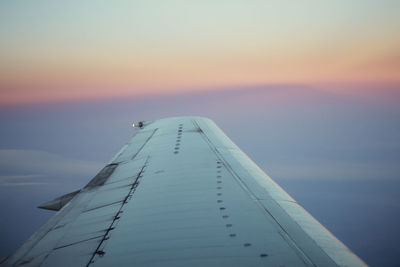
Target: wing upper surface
[[182, 193]]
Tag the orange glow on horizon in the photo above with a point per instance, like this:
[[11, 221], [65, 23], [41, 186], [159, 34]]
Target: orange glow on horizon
[[160, 48]]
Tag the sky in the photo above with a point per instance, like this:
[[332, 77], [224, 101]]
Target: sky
[[309, 90], [84, 49]]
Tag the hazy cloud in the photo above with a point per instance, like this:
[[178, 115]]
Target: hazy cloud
[[327, 170], [20, 184], [29, 167]]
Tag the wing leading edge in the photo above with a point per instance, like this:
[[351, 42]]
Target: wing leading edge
[[181, 193]]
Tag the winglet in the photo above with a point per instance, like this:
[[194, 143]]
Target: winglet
[[57, 203]]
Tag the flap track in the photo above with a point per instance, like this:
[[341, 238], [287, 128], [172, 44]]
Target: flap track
[[57, 203], [98, 180], [102, 176]]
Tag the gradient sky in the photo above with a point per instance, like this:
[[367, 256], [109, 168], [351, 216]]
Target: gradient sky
[[310, 90], [84, 49]]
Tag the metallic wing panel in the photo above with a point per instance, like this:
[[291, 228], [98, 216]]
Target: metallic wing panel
[[182, 193]]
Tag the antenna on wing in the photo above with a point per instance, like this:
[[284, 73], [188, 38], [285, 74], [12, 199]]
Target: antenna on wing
[[139, 124]]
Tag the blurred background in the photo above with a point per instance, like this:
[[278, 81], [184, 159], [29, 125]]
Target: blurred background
[[309, 90]]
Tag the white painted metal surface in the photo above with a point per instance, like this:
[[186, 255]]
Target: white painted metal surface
[[182, 194]]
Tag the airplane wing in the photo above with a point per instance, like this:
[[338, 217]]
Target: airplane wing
[[181, 193]]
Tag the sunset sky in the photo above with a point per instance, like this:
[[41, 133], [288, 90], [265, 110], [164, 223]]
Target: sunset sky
[[84, 49], [310, 90]]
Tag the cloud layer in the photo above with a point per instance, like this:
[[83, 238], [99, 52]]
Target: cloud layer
[[32, 167]]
